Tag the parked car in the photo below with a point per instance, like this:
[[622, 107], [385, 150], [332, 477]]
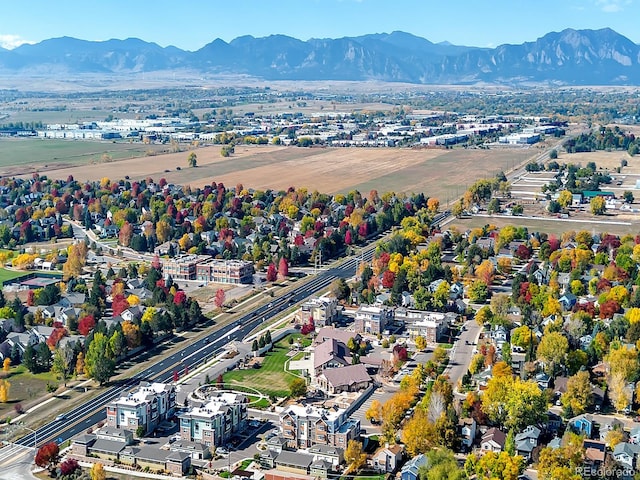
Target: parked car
[[222, 451]]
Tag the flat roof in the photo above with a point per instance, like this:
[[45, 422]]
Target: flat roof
[[39, 282]]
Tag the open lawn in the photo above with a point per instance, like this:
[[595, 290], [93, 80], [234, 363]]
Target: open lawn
[[437, 172], [271, 378], [25, 387], [10, 275]]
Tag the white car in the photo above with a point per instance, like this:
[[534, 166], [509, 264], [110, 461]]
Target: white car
[[61, 417], [221, 451]]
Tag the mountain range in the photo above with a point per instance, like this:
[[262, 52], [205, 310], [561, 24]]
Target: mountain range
[[569, 57]]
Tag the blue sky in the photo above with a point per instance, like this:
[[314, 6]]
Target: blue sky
[[190, 24]]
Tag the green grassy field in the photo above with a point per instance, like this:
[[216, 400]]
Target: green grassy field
[[9, 275], [24, 387], [17, 151], [270, 378]]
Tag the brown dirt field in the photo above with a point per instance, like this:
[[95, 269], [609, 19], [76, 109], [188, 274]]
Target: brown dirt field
[[438, 172], [603, 159]]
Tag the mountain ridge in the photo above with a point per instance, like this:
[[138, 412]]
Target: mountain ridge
[[568, 57]]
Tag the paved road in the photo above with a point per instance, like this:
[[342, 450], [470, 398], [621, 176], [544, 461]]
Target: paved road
[[462, 351], [16, 462], [193, 355]]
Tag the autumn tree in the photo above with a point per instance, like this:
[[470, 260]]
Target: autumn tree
[[598, 205], [76, 259], [374, 412], [418, 434], [219, 298], [553, 350], [513, 402], [99, 363], [192, 160], [433, 204], [4, 390], [578, 398], [48, 456], [298, 387], [97, 472], [494, 466], [272, 274], [565, 198], [354, 456], [6, 365], [485, 271], [619, 393], [283, 269], [421, 343], [562, 463]]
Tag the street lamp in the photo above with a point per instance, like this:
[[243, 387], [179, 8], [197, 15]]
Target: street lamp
[[35, 435]]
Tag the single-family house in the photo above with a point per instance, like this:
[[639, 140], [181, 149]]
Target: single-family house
[[387, 458], [595, 452], [493, 440], [583, 424], [607, 424], [410, 469], [526, 441], [626, 454], [567, 301], [467, 431], [543, 380]]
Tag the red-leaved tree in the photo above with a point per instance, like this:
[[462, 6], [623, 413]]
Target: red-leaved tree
[[86, 324], [69, 467], [55, 337], [48, 456], [283, 269], [272, 274], [180, 298], [119, 304], [220, 297], [388, 277]]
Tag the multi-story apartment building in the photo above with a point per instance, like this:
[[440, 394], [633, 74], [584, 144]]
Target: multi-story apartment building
[[224, 271], [146, 406], [213, 423], [323, 311], [304, 426], [370, 319], [430, 325]]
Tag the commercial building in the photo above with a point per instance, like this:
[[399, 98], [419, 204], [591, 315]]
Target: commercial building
[[224, 271], [146, 406], [182, 267], [208, 269], [213, 423]]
